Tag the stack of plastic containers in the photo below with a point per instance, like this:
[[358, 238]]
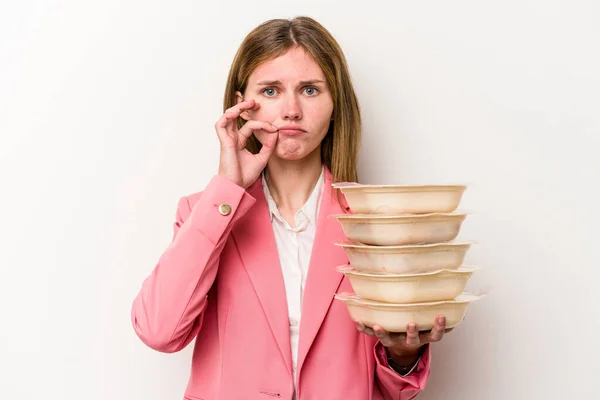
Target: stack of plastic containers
[[405, 265]]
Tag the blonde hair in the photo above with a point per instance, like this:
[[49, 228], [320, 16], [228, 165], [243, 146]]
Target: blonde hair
[[339, 149]]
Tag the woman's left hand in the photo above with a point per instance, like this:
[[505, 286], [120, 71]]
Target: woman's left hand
[[405, 346]]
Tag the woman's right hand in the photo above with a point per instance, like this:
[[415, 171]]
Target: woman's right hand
[[236, 163]]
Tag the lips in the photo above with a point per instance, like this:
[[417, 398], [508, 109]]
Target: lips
[[291, 130]]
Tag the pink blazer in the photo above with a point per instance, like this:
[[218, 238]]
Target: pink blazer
[[220, 282]]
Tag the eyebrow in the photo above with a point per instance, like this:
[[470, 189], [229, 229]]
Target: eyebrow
[[275, 83]]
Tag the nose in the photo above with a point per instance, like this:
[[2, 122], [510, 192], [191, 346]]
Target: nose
[[292, 109]]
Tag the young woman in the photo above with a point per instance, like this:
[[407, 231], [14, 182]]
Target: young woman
[[250, 273]]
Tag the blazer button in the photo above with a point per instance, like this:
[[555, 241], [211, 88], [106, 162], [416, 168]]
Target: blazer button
[[225, 209]]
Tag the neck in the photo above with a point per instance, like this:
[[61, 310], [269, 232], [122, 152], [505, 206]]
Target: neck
[[292, 182]]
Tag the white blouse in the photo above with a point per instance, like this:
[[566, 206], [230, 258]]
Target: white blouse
[[295, 247]]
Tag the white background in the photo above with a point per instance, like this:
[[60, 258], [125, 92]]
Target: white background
[[106, 119]]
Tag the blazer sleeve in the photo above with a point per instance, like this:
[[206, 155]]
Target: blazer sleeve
[[167, 312], [392, 385]]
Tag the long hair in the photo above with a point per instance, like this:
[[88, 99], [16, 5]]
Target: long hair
[[339, 149]]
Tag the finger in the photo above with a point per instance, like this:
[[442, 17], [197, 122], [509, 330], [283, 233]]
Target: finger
[[439, 326], [232, 113], [384, 337], [245, 114], [360, 326], [239, 108], [242, 106], [364, 329], [438, 330], [252, 125], [267, 147], [412, 335]]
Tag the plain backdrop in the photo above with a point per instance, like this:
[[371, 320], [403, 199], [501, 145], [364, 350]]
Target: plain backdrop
[[106, 118]]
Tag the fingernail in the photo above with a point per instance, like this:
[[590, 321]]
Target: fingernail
[[442, 320]]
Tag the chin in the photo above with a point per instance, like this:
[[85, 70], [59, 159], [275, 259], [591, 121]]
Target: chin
[[291, 151], [290, 156]]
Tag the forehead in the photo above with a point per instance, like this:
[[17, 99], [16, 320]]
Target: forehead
[[294, 65]]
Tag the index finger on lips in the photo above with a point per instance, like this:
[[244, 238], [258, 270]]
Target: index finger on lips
[[249, 127], [254, 125]]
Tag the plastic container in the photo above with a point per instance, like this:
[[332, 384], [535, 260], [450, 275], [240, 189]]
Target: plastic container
[[395, 317], [408, 288], [407, 259], [396, 230], [401, 199]]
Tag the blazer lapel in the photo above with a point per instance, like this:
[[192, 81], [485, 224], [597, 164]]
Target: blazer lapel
[[255, 241], [323, 279]]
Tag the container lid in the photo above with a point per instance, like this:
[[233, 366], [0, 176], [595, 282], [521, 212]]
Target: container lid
[[353, 298], [359, 245], [349, 270], [354, 186], [402, 218]]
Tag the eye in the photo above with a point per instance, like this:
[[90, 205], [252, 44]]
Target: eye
[[269, 92], [311, 90]]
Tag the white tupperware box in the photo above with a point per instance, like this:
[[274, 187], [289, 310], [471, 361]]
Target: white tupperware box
[[408, 288], [395, 317], [396, 230], [406, 259], [401, 199]]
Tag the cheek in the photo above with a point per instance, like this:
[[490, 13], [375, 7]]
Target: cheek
[[320, 112], [322, 121], [264, 113]]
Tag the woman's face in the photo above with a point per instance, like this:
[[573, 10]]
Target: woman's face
[[292, 95]]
